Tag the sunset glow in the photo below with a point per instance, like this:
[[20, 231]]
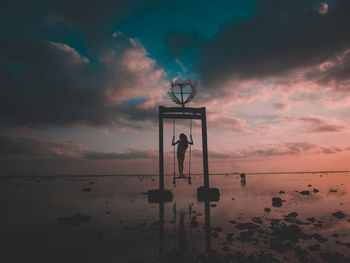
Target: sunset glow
[[81, 89]]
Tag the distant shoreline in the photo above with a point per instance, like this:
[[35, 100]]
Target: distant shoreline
[[149, 175]]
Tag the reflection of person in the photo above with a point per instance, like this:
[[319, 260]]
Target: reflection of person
[[182, 234], [182, 146]]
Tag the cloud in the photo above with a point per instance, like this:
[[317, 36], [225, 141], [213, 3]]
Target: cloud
[[129, 155], [14, 146], [94, 20], [229, 124], [21, 146], [280, 38], [321, 125], [60, 87], [288, 148], [330, 150], [333, 73], [294, 148], [280, 105], [212, 154], [277, 150]]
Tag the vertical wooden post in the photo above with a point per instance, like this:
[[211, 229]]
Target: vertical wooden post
[[205, 149], [161, 156]]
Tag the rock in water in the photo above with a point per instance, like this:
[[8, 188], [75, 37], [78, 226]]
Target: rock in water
[[257, 220], [311, 219], [276, 202], [267, 210], [293, 214], [339, 214]]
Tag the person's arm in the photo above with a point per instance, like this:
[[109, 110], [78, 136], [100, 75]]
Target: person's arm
[[173, 143], [191, 142]]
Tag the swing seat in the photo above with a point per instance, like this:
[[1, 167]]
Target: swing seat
[[182, 177]]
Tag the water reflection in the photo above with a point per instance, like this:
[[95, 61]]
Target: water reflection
[[54, 219], [182, 245]]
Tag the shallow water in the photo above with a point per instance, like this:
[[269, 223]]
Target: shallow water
[[108, 219]]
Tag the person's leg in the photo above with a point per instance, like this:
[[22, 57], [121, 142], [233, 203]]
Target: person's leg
[[182, 165], [180, 158], [179, 161]]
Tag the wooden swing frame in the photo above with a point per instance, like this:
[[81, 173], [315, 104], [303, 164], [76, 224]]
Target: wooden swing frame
[[204, 193], [183, 113]]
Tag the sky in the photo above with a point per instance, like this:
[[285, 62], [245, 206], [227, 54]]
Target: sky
[[81, 82]]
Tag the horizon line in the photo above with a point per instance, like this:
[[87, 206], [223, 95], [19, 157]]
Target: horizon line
[[195, 174]]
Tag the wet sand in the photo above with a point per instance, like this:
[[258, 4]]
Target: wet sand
[[272, 218]]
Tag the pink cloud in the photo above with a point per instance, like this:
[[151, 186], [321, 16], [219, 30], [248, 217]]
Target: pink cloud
[[321, 125], [129, 154], [229, 124], [131, 73], [276, 150], [280, 105]]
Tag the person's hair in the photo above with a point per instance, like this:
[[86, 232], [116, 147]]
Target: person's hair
[[183, 137]]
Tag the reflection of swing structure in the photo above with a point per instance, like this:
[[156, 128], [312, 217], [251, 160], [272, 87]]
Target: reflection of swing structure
[[180, 246], [190, 114], [180, 241]]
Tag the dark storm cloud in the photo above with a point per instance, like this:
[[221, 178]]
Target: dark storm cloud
[[96, 19], [49, 83], [178, 42], [280, 37], [90, 16], [45, 83], [335, 72], [51, 89]]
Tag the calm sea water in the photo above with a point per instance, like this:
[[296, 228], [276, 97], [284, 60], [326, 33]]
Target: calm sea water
[[108, 219]]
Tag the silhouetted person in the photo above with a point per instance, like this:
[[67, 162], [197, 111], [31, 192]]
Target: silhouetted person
[[182, 146], [243, 181], [242, 177]]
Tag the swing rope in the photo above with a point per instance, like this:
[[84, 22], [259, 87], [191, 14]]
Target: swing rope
[[189, 157], [174, 180]]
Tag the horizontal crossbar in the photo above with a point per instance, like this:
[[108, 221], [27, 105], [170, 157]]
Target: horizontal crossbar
[[181, 116], [163, 109]]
